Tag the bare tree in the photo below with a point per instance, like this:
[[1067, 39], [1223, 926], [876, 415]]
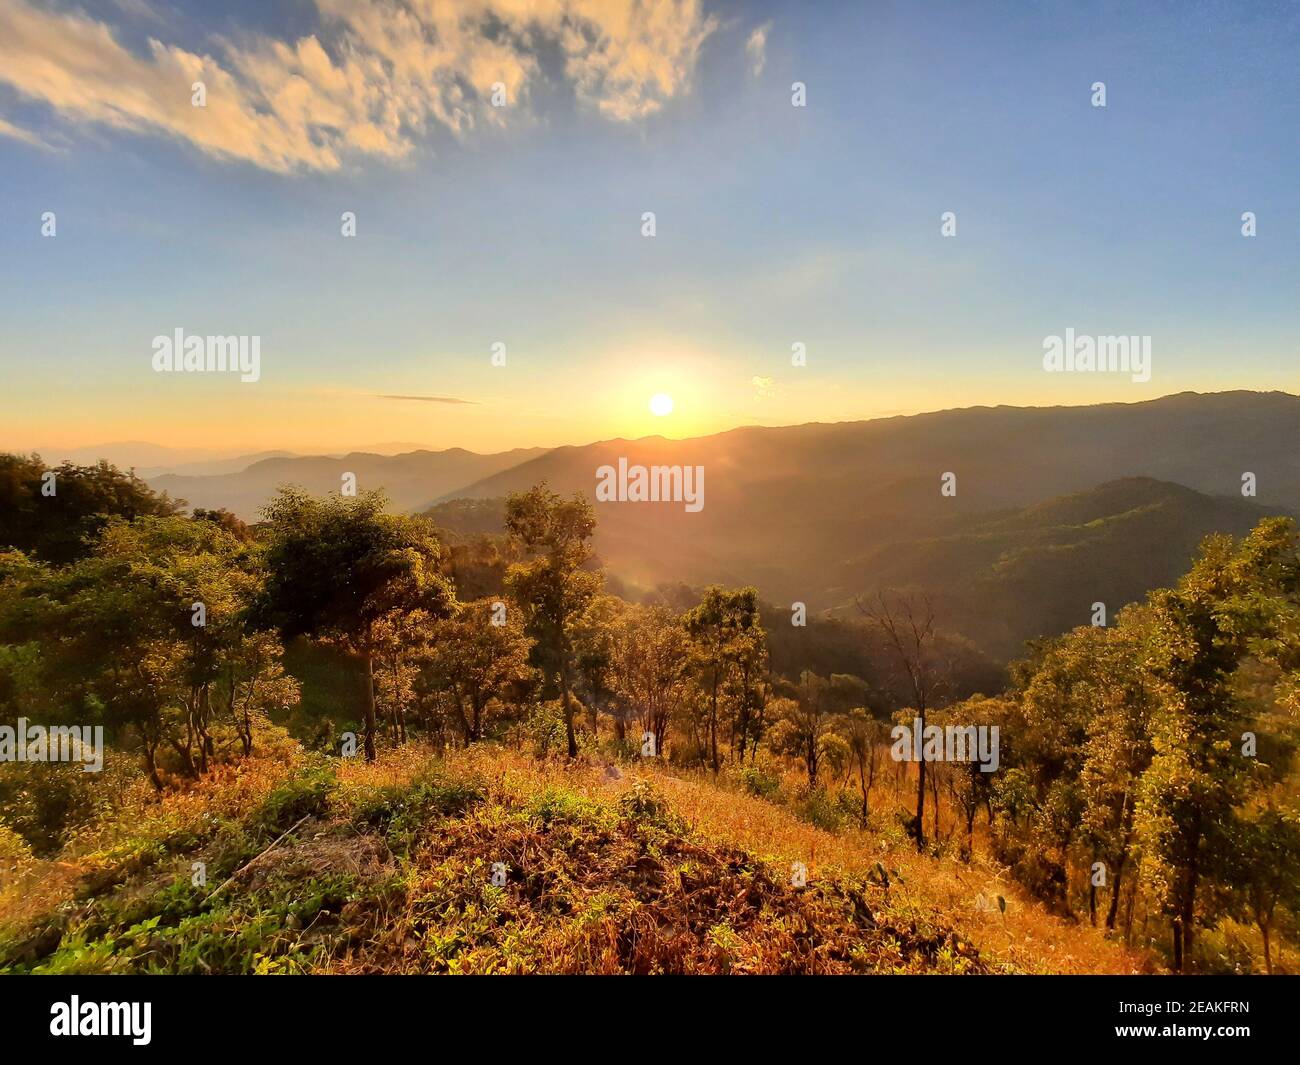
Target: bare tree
[[907, 623]]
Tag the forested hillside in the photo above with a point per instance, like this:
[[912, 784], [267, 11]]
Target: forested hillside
[[340, 740]]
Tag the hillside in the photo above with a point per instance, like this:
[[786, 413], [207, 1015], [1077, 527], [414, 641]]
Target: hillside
[[324, 865], [1038, 570], [1003, 577]]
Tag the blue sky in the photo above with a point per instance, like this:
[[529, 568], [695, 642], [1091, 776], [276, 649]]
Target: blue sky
[[775, 224]]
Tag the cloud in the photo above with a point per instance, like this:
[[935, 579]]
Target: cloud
[[756, 49], [8, 129], [429, 399], [375, 77]]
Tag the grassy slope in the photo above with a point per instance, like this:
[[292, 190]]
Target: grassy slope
[[390, 866]]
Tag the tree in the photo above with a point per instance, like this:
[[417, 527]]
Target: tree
[[554, 586], [341, 568], [907, 623], [1116, 751], [864, 735], [726, 635], [1224, 608], [1264, 870], [649, 675], [150, 634], [55, 513], [804, 723], [480, 665], [593, 639]]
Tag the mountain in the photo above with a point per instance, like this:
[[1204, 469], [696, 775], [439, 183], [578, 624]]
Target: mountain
[[786, 507], [213, 466], [126, 454], [998, 579], [819, 513], [410, 479], [1039, 570]]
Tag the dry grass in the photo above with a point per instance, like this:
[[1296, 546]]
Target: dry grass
[[696, 882], [1025, 937], [604, 879], [40, 886]]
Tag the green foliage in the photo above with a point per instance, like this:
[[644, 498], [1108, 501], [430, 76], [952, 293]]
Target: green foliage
[[759, 782], [62, 527], [44, 803], [643, 804]]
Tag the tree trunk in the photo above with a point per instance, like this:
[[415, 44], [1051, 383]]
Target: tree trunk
[[713, 724], [920, 789], [370, 708], [151, 761], [1114, 894], [568, 709]]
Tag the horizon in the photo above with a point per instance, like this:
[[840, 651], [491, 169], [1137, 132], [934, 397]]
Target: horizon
[[395, 449]]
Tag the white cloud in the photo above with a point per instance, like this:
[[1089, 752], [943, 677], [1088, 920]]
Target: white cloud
[[756, 49], [373, 79]]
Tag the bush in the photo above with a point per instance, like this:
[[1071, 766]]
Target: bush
[[15, 855], [46, 802], [760, 782], [819, 809], [545, 729], [644, 805]]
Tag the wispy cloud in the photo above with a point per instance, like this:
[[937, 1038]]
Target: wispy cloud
[[8, 129], [756, 48], [428, 399], [375, 77]]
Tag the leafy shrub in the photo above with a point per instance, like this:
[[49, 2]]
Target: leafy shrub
[[402, 812], [298, 797], [759, 782], [643, 804], [820, 810], [46, 802], [556, 805], [15, 854], [545, 729]]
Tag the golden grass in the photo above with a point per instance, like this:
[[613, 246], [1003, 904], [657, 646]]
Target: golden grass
[[40, 886], [1026, 936], [944, 891]]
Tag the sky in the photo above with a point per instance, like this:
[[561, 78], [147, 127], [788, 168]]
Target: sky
[[522, 225]]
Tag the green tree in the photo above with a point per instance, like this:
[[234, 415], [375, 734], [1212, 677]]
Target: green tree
[[1226, 607], [554, 586], [55, 513], [1264, 870], [480, 665], [341, 569], [726, 635]]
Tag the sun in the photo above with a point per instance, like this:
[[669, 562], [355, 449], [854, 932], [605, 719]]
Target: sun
[[661, 404]]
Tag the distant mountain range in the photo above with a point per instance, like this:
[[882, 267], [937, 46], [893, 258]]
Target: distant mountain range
[[411, 480], [1055, 508]]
